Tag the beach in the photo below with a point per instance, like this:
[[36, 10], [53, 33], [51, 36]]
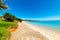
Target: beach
[[26, 31]]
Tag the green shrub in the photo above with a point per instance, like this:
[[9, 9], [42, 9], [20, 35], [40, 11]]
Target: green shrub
[[4, 34], [7, 25], [19, 19], [8, 17]]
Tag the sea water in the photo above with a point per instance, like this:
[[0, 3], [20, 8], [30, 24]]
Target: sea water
[[53, 25]]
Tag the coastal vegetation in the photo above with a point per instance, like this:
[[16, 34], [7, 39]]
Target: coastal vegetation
[[7, 22], [9, 17], [4, 34], [8, 25]]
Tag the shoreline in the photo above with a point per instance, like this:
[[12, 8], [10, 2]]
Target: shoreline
[[50, 34], [45, 27], [26, 31]]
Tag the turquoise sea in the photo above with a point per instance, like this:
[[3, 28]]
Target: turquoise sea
[[53, 25]]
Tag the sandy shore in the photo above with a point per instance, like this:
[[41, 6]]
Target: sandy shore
[[27, 31]]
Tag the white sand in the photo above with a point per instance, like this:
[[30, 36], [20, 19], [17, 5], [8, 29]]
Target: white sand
[[24, 32], [50, 34], [27, 31]]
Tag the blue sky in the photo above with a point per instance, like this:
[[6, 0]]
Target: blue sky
[[35, 9]]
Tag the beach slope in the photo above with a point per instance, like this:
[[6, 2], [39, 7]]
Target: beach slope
[[50, 34], [27, 31], [24, 32]]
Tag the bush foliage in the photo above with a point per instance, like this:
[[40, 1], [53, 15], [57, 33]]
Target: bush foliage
[[8, 17], [19, 19], [4, 34]]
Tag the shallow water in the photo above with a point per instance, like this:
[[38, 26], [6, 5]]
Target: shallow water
[[53, 25]]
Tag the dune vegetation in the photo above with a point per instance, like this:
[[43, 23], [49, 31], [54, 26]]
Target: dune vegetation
[[7, 22], [4, 34]]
